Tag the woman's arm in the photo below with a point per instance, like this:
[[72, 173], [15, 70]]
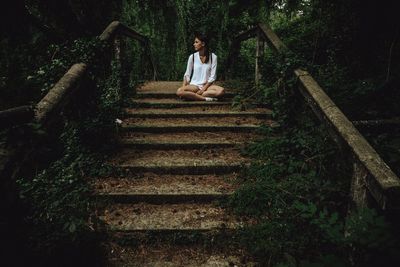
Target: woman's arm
[[189, 68], [213, 75]]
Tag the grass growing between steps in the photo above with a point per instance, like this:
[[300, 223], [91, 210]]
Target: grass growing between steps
[[297, 189]]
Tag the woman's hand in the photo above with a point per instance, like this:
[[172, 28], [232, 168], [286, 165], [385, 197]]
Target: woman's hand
[[200, 92]]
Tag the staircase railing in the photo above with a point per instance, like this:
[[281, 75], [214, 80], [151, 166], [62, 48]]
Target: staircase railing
[[50, 106], [371, 175], [115, 31]]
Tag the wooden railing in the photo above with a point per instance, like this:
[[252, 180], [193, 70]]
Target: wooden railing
[[59, 95], [15, 116], [115, 31], [371, 175]]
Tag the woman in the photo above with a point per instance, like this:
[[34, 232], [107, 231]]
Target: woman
[[203, 64]]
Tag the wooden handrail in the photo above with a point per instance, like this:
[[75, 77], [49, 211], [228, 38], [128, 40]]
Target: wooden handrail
[[15, 116], [380, 180], [370, 171], [235, 46], [67, 83], [271, 37], [58, 95], [115, 28]]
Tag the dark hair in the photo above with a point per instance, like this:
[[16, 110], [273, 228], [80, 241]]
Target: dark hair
[[204, 38]]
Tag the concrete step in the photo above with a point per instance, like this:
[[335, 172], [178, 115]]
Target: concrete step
[[189, 128], [193, 124], [196, 113], [144, 217], [164, 188], [172, 86], [171, 94], [195, 121], [177, 161], [177, 144], [161, 255], [241, 124], [191, 140], [173, 103]]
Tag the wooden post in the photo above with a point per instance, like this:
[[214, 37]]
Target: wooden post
[[120, 59], [358, 189], [259, 51]]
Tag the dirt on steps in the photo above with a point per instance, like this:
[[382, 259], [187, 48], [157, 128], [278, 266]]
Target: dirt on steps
[[171, 86], [176, 172], [151, 183], [195, 121], [203, 109], [177, 157], [167, 217], [242, 138], [164, 255]]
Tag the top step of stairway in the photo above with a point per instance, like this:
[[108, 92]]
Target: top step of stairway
[[168, 87]]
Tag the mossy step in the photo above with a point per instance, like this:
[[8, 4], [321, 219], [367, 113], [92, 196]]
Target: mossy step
[[189, 255], [172, 103], [196, 121], [200, 109], [187, 140], [153, 188], [144, 217], [191, 128], [170, 94], [195, 124], [175, 144], [208, 167], [173, 113], [178, 161], [172, 86], [192, 137]]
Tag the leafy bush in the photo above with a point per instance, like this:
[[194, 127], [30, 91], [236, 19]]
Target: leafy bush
[[57, 198]]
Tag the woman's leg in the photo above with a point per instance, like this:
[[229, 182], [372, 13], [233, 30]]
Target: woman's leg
[[189, 92], [214, 91]]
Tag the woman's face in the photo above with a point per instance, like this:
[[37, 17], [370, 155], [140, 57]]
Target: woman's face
[[198, 44]]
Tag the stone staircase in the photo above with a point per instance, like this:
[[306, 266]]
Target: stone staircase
[[177, 159]]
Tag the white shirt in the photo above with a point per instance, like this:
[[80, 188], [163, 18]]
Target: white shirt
[[203, 72]]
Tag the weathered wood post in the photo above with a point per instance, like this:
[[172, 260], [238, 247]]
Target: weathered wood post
[[358, 189], [259, 53], [121, 64]]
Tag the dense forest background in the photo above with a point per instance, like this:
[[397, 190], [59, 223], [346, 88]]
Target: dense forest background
[[359, 39], [351, 47]]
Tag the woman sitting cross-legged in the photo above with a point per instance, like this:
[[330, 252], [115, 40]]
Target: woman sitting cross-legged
[[203, 64]]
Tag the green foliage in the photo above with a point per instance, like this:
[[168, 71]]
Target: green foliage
[[296, 189], [57, 199]]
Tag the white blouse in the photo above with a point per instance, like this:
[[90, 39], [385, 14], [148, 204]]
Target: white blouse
[[203, 72]]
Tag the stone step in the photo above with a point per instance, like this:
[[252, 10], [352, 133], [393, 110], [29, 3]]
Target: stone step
[[186, 140], [195, 121], [153, 188], [144, 217], [177, 144], [192, 113], [170, 94], [198, 124], [188, 255], [190, 125], [189, 128], [205, 109], [173, 103], [177, 161], [172, 86]]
